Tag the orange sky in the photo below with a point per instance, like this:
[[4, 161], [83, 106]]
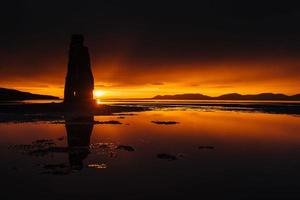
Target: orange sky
[[120, 77]]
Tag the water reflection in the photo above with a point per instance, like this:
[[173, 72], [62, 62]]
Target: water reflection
[[232, 152], [79, 130]]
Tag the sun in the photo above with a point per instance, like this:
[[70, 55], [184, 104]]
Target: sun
[[98, 93]]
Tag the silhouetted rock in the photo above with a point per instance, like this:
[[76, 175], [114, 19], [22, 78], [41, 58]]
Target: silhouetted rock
[[79, 83]]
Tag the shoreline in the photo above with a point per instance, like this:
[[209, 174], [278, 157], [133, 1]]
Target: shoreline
[[58, 111]]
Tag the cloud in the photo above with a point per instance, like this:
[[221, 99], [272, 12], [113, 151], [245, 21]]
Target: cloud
[[157, 83]]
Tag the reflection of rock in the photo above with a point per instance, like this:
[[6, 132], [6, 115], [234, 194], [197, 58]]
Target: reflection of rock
[[78, 134], [79, 83]]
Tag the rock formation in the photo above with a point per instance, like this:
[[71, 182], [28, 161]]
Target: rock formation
[[79, 84]]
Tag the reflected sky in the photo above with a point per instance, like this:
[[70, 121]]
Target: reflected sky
[[254, 155]]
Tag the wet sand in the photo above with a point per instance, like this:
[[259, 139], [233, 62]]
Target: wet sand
[[56, 111]]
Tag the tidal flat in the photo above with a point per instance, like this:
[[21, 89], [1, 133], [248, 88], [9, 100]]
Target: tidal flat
[[209, 152]]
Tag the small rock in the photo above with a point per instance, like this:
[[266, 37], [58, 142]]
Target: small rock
[[206, 147], [107, 122], [42, 141], [61, 138], [165, 122], [97, 166], [55, 166], [166, 156], [125, 147]]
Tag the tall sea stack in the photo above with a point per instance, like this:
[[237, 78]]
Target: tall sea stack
[[79, 84]]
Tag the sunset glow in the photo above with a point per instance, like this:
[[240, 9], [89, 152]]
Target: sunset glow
[[150, 100], [98, 93], [277, 75]]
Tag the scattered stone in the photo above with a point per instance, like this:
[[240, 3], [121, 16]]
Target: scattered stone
[[43, 142], [182, 155], [206, 147], [61, 138], [166, 156], [125, 147], [101, 145], [39, 152], [55, 166], [57, 122], [56, 169], [97, 166], [126, 114], [165, 122], [107, 122], [36, 148], [108, 149], [88, 122], [57, 172]]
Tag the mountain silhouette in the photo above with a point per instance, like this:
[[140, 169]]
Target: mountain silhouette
[[13, 95], [183, 97], [231, 96]]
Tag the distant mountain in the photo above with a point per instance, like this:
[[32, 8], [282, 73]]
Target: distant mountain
[[295, 97], [262, 96], [14, 95], [183, 97], [232, 96]]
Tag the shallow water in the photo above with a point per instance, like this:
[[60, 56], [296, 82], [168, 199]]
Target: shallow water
[[250, 156]]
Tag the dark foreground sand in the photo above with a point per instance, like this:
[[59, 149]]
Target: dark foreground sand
[[57, 111]]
